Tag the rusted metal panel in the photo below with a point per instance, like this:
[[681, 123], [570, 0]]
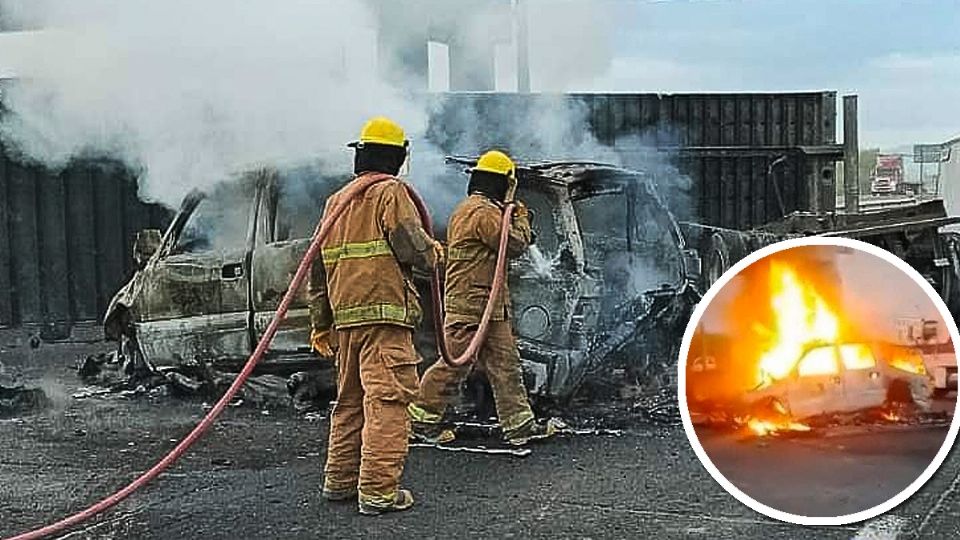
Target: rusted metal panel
[[728, 122], [65, 239], [713, 122], [109, 234], [82, 247], [744, 193], [697, 127], [759, 187], [134, 219], [600, 119], [759, 123], [744, 130], [6, 295], [52, 244], [711, 192], [24, 244], [775, 113], [745, 120]]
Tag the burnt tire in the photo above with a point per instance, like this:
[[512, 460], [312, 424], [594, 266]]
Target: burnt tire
[[720, 252], [899, 393], [715, 257]]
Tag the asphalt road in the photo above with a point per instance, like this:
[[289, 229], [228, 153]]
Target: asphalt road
[[256, 475], [833, 473]]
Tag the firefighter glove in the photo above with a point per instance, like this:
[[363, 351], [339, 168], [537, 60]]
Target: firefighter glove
[[520, 210], [439, 253], [320, 342]]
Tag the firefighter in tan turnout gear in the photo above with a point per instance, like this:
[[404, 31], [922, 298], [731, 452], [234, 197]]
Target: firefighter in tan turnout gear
[[473, 236], [363, 291]]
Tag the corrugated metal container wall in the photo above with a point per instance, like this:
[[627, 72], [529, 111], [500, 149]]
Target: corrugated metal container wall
[[736, 148], [66, 240]]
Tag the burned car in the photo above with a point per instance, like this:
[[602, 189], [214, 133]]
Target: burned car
[[846, 377], [607, 284]]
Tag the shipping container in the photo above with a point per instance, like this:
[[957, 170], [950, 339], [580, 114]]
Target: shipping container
[[749, 158], [66, 240]]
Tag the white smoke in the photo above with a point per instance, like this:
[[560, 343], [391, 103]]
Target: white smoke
[[191, 92]]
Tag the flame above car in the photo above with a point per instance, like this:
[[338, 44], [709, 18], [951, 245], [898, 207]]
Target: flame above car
[[801, 318]]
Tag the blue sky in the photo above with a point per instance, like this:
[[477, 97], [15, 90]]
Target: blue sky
[[902, 57]]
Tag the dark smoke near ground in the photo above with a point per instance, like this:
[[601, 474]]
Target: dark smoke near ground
[[16, 398]]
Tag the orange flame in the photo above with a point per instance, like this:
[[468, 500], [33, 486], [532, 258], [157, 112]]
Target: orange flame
[[802, 319], [909, 361], [890, 416], [763, 428]]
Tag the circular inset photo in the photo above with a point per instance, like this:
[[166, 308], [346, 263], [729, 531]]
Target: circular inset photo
[[818, 381]]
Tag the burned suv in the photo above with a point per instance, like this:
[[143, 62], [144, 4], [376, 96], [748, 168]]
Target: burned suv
[[607, 285]]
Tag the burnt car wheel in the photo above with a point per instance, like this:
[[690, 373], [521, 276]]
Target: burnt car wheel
[[899, 392], [716, 260]]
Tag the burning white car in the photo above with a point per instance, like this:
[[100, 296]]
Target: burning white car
[[847, 377]]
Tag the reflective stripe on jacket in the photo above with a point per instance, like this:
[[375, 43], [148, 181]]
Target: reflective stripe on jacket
[[473, 236], [367, 261]]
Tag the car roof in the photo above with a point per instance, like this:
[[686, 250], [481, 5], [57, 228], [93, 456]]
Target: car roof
[[569, 173]]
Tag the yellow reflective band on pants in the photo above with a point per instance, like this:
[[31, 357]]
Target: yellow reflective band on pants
[[463, 254], [377, 313], [500, 362], [419, 414], [357, 250]]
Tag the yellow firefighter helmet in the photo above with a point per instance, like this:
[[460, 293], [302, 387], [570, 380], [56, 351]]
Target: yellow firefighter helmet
[[496, 162], [381, 130]]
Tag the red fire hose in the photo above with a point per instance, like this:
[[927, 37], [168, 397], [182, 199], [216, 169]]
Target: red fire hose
[[357, 188], [436, 290]]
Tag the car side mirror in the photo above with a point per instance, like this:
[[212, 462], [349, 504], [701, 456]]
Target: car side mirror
[[692, 265], [145, 245]]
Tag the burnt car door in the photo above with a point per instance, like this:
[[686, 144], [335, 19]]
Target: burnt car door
[[553, 298], [288, 213], [191, 304], [816, 384], [863, 383]]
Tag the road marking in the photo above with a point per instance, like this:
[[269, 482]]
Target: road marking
[[672, 514], [93, 527], [947, 493], [882, 528]]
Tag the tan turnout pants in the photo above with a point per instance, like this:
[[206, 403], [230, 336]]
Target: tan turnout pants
[[369, 425], [498, 359]]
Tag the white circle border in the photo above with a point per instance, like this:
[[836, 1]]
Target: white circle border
[[698, 312]]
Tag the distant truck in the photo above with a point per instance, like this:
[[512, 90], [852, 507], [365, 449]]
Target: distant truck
[[887, 177], [934, 343]]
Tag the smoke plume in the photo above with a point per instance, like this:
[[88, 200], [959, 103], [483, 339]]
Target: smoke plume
[[190, 92]]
